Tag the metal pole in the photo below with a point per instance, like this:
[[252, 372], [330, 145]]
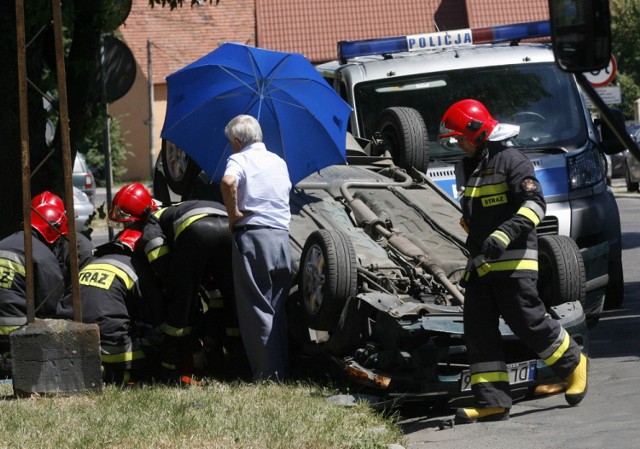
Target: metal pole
[[106, 136], [66, 158], [151, 101], [25, 152]]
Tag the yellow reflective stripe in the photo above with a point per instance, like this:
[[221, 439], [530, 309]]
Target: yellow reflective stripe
[[503, 237], [157, 253], [488, 190], [175, 331], [6, 330], [216, 303], [12, 265], [161, 211], [491, 377], [508, 265], [528, 213], [186, 223], [122, 357], [92, 268], [167, 365], [558, 352], [232, 332]]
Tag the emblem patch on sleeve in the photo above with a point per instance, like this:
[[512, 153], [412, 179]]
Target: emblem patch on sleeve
[[529, 185]]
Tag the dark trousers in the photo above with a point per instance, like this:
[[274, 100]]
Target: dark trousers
[[516, 300]]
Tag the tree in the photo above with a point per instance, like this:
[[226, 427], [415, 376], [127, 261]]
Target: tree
[[83, 23], [625, 31]]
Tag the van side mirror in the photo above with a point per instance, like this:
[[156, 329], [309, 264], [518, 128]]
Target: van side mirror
[[581, 34]]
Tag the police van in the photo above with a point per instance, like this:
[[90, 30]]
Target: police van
[[399, 88]]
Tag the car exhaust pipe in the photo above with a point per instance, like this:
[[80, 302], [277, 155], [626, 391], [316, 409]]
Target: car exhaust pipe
[[376, 226]]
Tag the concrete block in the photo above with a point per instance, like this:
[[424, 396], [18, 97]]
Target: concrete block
[[56, 356]]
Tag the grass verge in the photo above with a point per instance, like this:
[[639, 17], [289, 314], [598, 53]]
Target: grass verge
[[233, 415]]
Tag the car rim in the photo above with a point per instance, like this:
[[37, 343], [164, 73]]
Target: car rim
[[314, 279], [176, 162]]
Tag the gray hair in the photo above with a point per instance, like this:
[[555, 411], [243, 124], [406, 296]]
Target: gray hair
[[245, 128]]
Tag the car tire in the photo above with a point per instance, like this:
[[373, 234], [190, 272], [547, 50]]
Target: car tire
[[561, 275], [631, 185], [404, 136], [179, 170], [328, 277]]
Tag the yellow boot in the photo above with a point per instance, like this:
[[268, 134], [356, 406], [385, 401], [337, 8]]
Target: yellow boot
[[577, 382], [471, 415]]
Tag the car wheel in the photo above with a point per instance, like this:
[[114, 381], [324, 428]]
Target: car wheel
[[328, 277], [179, 170], [404, 136], [631, 186], [561, 275]]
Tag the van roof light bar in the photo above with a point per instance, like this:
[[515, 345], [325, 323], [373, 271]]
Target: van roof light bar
[[443, 39]]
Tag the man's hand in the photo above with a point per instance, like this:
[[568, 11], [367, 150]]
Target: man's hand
[[495, 245]]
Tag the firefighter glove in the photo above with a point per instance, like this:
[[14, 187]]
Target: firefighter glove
[[495, 245]]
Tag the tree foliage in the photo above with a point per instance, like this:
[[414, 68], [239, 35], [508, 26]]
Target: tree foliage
[[625, 33], [83, 22]]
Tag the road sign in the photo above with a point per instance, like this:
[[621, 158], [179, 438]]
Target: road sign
[[603, 77]]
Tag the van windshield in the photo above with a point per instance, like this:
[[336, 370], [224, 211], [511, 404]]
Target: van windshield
[[539, 97]]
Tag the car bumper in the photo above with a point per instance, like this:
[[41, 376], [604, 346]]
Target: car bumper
[[424, 357]]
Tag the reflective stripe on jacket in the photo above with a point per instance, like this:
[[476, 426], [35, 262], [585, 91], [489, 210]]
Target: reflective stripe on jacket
[[502, 197]]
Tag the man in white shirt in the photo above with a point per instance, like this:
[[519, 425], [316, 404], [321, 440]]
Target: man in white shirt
[[255, 188]]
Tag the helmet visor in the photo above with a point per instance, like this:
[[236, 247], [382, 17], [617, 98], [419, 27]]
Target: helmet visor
[[118, 215]]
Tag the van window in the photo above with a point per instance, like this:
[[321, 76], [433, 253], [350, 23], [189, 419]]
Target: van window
[[543, 100]]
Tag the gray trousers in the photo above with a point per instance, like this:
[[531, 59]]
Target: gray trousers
[[262, 279]]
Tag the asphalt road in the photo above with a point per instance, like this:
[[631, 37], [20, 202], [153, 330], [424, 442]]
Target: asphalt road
[[609, 415]]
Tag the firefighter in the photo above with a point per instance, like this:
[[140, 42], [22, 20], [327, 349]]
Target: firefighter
[[61, 248], [184, 244], [49, 225], [120, 293], [502, 203]]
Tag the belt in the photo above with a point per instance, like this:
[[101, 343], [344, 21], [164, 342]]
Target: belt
[[243, 228]]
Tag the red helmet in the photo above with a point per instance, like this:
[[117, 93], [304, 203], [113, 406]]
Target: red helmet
[[468, 118], [48, 216], [129, 237], [132, 203]]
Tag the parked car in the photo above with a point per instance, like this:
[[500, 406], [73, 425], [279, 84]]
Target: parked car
[[632, 167], [377, 255], [83, 208], [83, 177]]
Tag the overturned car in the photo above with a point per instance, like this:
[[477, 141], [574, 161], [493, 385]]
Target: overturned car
[[377, 254]]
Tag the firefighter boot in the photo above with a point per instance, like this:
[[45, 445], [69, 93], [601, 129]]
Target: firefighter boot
[[577, 382], [472, 415]]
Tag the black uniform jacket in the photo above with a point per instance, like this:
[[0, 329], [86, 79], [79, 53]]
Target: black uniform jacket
[[502, 197], [48, 280]]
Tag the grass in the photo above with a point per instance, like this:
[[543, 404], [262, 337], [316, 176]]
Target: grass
[[234, 415]]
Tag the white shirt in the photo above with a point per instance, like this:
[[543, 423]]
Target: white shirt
[[263, 186]]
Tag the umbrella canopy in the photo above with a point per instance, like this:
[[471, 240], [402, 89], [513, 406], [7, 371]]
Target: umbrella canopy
[[302, 118]]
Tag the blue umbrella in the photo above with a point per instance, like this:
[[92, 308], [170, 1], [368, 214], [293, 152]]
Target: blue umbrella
[[303, 119]]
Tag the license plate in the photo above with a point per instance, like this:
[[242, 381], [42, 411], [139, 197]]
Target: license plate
[[518, 373]]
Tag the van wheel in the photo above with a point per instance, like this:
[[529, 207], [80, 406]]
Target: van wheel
[[405, 138], [328, 277], [180, 171], [561, 275]]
